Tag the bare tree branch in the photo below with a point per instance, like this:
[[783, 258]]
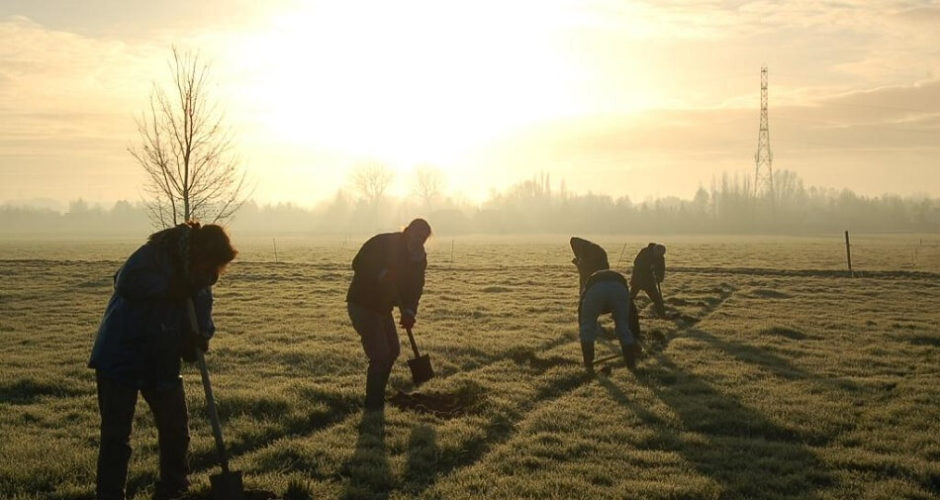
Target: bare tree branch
[[429, 182], [187, 151], [371, 179]]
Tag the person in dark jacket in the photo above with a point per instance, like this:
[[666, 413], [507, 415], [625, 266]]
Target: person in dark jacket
[[603, 291], [144, 332], [649, 269], [388, 272]]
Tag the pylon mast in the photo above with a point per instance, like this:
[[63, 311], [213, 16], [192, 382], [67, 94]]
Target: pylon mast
[[763, 158]]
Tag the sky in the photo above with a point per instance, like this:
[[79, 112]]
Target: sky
[[629, 98]]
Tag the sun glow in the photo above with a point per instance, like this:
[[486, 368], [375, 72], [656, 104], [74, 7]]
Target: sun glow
[[406, 82]]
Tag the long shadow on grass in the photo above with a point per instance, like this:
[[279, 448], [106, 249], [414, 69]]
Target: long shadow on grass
[[500, 427], [368, 470], [423, 452], [771, 362], [26, 390], [745, 452], [336, 408], [339, 407]]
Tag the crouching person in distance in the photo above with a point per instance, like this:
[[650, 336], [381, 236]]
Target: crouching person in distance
[[144, 333], [603, 291], [649, 269], [388, 272]]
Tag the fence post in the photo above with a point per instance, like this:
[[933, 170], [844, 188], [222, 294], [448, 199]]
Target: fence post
[[848, 253], [621, 253]]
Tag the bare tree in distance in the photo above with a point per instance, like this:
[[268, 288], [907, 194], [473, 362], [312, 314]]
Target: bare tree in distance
[[371, 179], [187, 151], [429, 182]]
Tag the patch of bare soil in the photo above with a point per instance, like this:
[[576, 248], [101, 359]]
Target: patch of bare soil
[[443, 405]]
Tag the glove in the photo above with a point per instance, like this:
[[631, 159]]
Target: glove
[[407, 321], [190, 342]]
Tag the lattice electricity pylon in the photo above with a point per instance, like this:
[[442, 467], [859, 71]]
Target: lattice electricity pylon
[[763, 158]]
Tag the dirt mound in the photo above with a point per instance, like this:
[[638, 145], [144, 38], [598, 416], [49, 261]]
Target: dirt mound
[[443, 405]]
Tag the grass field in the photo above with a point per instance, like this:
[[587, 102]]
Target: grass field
[[780, 376]]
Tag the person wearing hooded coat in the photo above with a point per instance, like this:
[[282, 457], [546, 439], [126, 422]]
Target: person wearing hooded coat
[[649, 270], [143, 334], [603, 291]]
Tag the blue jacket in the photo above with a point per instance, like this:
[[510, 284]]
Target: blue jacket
[[140, 336]]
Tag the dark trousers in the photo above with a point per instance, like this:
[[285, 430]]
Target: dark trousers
[[381, 345], [653, 292], [601, 298], [378, 335], [116, 402]]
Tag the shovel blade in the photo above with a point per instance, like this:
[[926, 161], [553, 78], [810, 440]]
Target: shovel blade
[[227, 486], [421, 370]]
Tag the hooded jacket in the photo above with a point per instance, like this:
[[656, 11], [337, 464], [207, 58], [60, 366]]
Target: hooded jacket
[[141, 333], [648, 268]]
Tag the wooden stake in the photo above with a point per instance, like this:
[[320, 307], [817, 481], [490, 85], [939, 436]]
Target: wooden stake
[[275, 249], [848, 253]]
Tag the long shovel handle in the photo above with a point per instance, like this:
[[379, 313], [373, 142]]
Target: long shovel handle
[[414, 346], [607, 358], [207, 387]]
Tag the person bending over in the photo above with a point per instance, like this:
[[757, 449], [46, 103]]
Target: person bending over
[[602, 291], [144, 333]]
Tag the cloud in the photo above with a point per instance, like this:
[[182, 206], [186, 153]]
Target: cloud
[[647, 86], [872, 141]]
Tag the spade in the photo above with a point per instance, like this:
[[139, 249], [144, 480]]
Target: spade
[[421, 370]]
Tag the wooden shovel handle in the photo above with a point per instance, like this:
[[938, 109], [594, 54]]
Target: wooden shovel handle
[[414, 346], [207, 388]]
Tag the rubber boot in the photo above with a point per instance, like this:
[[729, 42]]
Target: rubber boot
[[375, 390], [587, 352], [629, 354]]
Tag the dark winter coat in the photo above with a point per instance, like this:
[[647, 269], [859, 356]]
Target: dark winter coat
[[589, 258], [141, 334], [648, 268], [387, 275]]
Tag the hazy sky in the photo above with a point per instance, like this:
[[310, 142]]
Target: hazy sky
[[637, 98]]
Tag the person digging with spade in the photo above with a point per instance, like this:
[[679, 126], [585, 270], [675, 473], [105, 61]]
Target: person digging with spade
[[388, 272], [603, 291], [649, 269], [143, 334]]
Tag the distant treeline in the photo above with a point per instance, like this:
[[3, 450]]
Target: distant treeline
[[728, 206]]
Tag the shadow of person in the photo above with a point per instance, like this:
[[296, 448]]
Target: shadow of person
[[368, 469], [423, 454], [735, 442]]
